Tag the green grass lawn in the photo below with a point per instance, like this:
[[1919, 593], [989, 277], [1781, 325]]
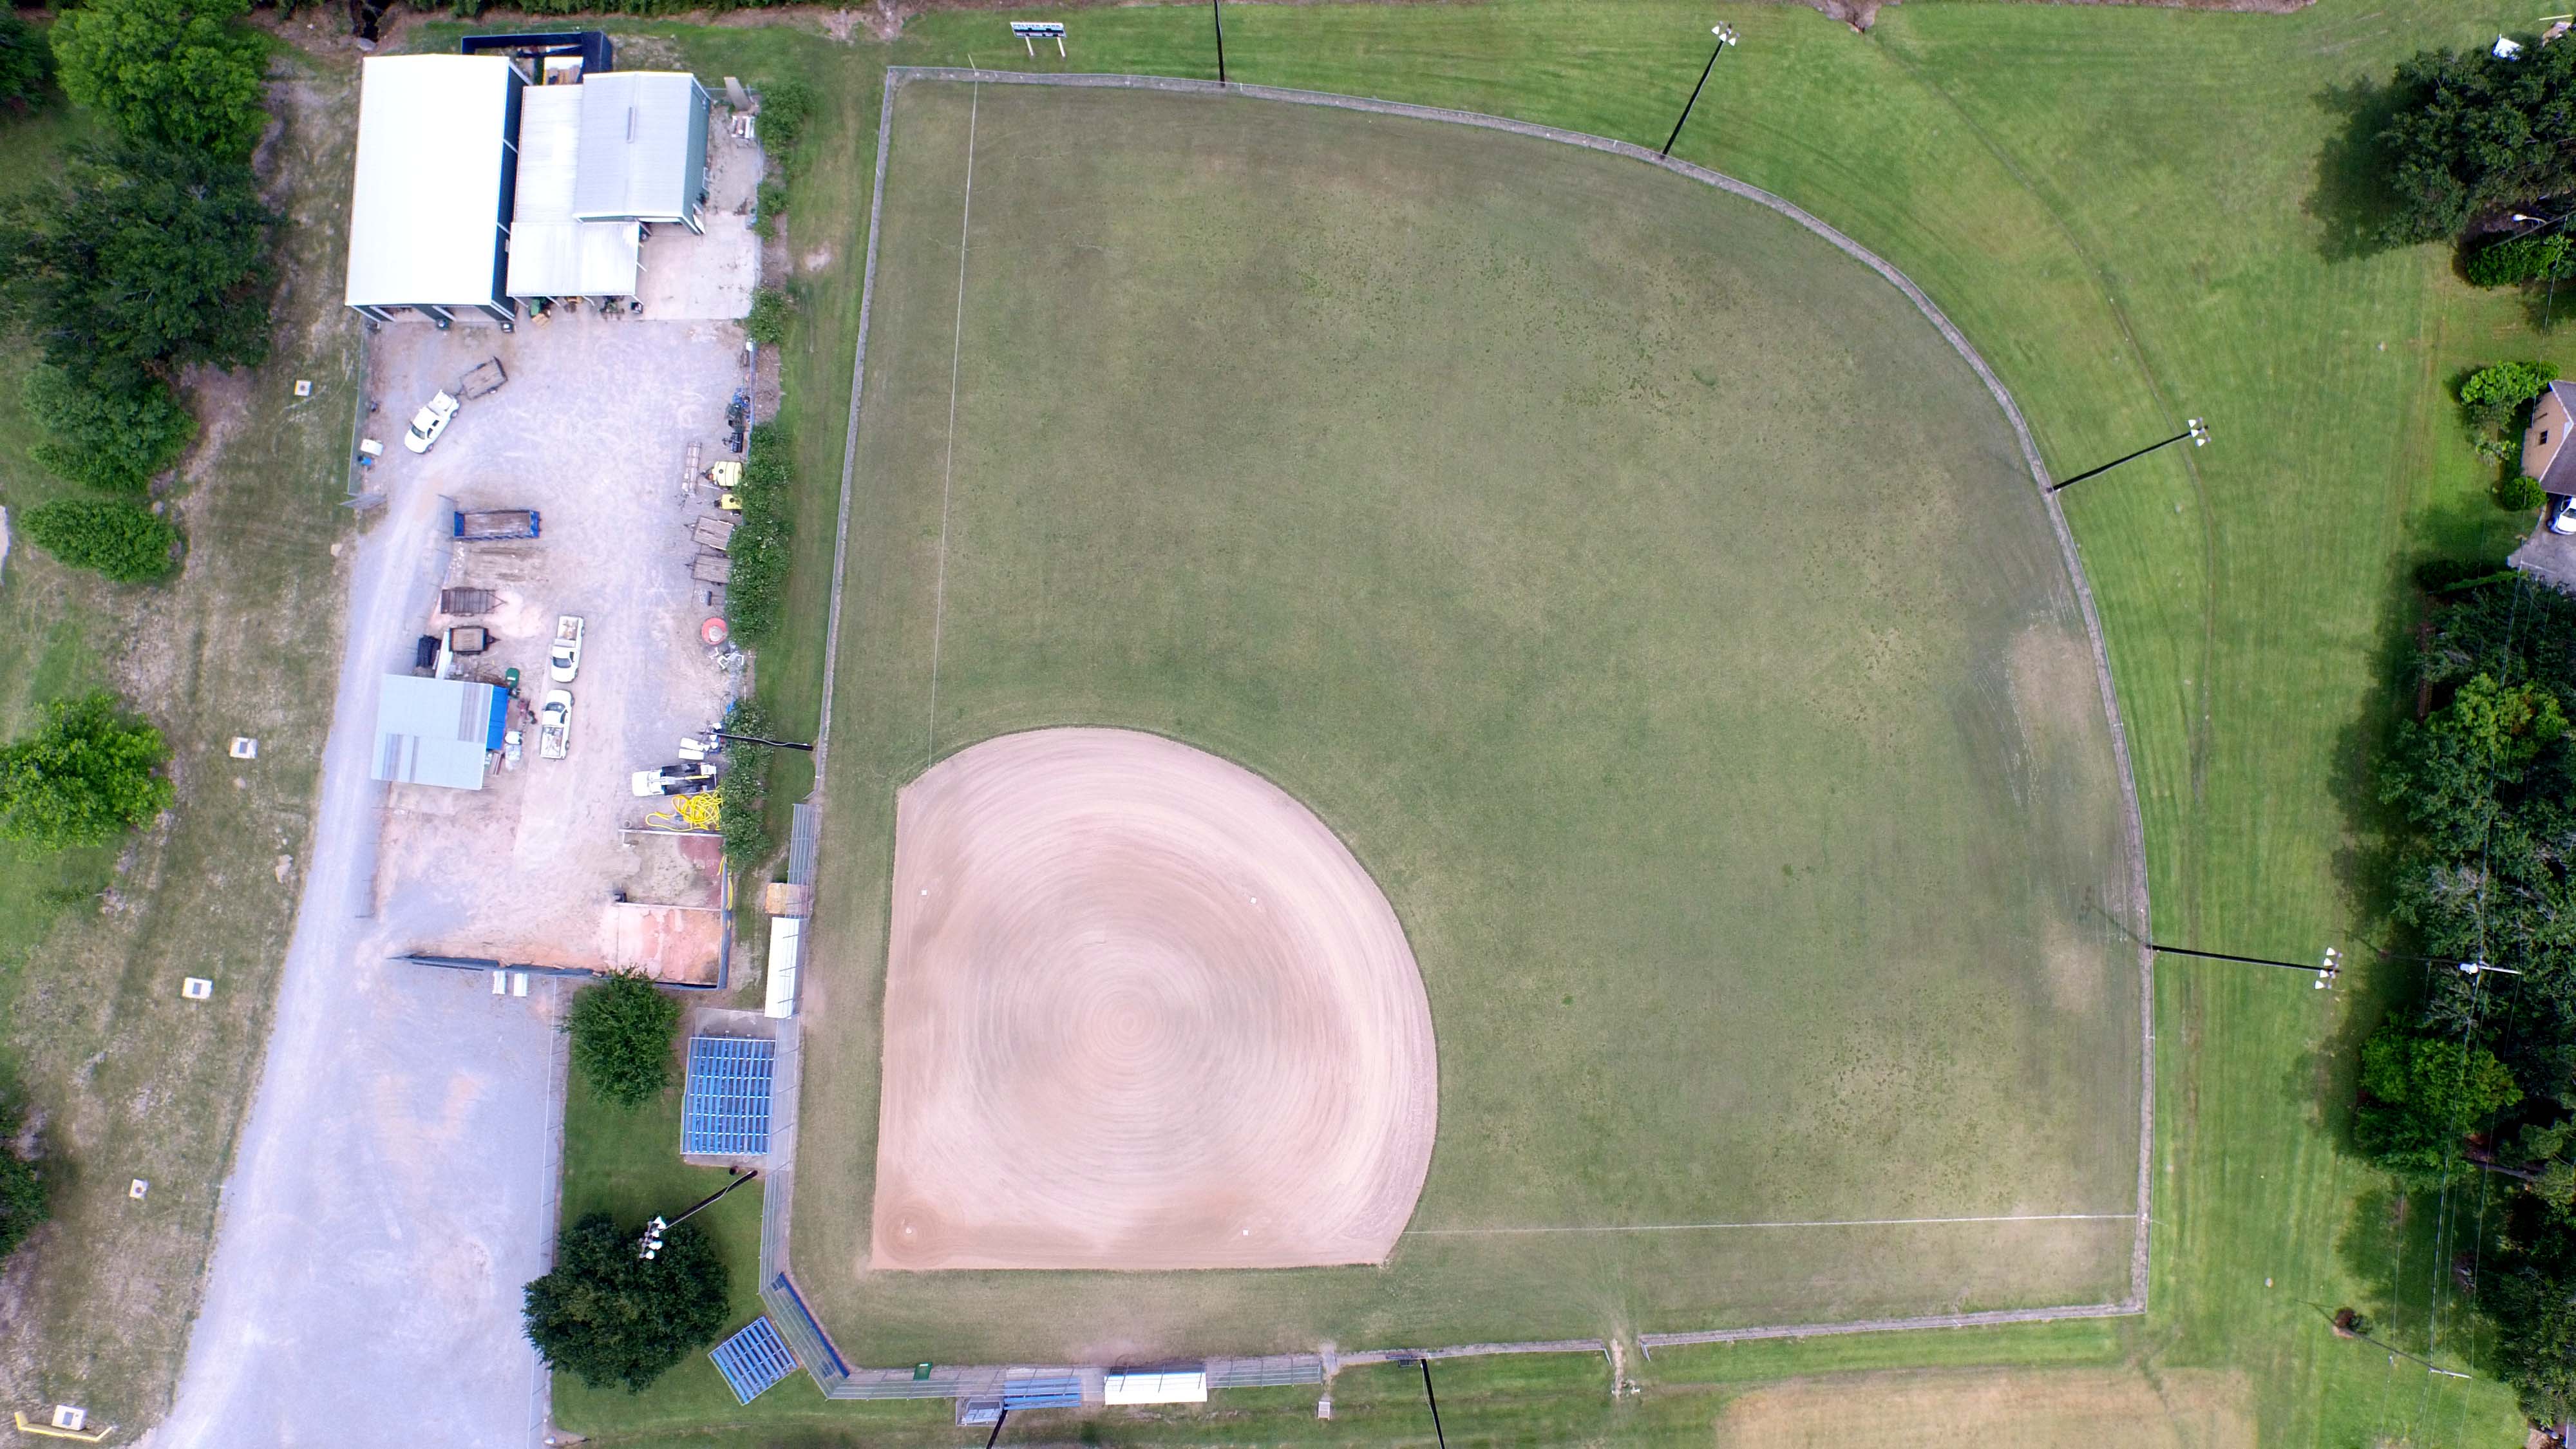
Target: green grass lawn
[[1650, 597], [625, 1161], [2115, 203], [130, 1080]]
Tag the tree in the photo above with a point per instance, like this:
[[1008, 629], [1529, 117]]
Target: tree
[[87, 775], [2522, 259], [175, 73], [767, 324], [756, 593], [2492, 395], [743, 794], [2534, 1309], [621, 1038], [24, 1201], [136, 261], [123, 540], [114, 441], [2471, 135], [609, 1316], [25, 61], [2424, 1095]]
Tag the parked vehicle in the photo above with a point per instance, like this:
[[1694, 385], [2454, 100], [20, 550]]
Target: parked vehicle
[[564, 661], [2562, 515], [674, 779], [554, 724], [431, 421], [486, 524]]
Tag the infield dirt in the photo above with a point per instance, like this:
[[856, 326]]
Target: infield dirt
[[1143, 1010]]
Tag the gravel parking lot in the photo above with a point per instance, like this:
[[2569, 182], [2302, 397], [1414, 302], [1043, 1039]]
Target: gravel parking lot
[[592, 431]]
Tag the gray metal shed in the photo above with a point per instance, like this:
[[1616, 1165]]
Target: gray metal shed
[[437, 731], [643, 153]]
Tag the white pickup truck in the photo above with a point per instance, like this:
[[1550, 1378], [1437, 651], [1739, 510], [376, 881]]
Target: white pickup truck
[[565, 661], [554, 724]]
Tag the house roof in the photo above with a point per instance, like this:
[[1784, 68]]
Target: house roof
[[552, 254], [424, 213], [435, 731], [636, 155], [2560, 476]]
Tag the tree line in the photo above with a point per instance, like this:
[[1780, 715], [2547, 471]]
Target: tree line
[[2479, 1079], [145, 253]]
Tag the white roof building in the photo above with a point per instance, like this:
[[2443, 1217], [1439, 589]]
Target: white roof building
[[552, 254], [431, 207]]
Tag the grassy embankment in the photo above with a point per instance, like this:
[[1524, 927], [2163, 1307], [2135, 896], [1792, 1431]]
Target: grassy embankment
[[2116, 205], [133, 1081]]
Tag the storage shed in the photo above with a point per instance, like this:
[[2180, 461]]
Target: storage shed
[[551, 253], [643, 153], [437, 731], [437, 169]]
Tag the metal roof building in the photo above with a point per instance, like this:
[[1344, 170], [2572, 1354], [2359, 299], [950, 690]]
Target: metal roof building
[[643, 153], [551, 253], [437, 731], [436, 175]]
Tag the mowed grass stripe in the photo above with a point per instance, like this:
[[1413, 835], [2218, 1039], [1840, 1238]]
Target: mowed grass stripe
[[1644, 589]]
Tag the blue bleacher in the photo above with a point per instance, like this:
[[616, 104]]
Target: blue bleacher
[[753, 1360], [724, 1110]]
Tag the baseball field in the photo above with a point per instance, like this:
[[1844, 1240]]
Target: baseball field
[[1648, 598]]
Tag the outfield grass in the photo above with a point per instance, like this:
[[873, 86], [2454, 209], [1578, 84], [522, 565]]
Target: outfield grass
[[1646, 592], [2114, 203]]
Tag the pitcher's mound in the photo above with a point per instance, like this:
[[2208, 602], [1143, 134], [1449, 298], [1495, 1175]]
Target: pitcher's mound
[[1143, 1010]]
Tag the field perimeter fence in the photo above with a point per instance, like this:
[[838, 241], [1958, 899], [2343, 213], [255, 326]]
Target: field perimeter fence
[[806, 1334]]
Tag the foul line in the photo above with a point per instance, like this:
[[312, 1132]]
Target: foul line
[[1820, 1223], [948, 466]]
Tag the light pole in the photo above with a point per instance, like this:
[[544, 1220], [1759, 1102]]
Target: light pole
[[1725, 37], [2327, 968], [1217, 18], [1434, 1400], [651, 1246], [2196, 430]]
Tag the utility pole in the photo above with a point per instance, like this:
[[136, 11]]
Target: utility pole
[[1725, 37], [2197, 431]]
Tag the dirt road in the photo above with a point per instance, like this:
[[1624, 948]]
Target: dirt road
[[1143, 1010]]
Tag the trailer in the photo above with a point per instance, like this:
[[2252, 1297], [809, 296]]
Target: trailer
[[464, 603], [484, 525], [483, 381]]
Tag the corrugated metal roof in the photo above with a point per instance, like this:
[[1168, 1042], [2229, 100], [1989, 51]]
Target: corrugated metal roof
[[433, 731], [636, 156], [424, 214], [551, 254]]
